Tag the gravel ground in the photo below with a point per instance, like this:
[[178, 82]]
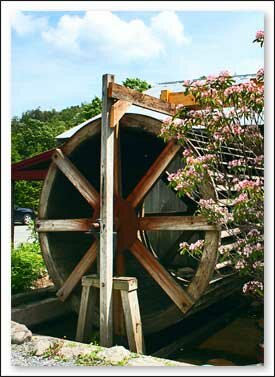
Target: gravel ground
[[21, 358]]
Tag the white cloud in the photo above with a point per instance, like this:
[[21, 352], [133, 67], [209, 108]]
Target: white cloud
[[105, 32], [168, 25], [25, 24]]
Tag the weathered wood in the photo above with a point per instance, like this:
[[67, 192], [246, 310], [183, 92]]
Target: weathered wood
[[177, 294], [139, 99], [106, 215], [39, 311], [153, 173], [37, 294], [223, 264], [86, 315], [118, 109], [75, 177], [230, 232], [120, 283], [230, 247], [175, 223], [132, 320], [64, 225], [207, 265], [177, 98], [83, 266], [203, 331]]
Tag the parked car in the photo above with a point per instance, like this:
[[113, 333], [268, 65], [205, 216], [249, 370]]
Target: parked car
[[23, 215]]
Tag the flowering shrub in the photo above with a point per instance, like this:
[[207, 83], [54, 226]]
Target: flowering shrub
[[223, 142]]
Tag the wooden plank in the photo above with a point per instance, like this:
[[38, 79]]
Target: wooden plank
[[177, 294], [153, 173], [76, 178], [132, 321], [37, 294], [139, 99], [120, 283], [174, 223], [118, 109], [230, 232], [119, 324], [39, 311], [64, 225], [223, 264], [230, 246], [177, 98], [106, 215], [202, 332], [86, 315], [83, 266]]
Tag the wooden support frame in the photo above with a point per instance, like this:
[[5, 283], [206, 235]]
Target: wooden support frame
[[177, 98], [139, 99], [127, 286], [118, 109]]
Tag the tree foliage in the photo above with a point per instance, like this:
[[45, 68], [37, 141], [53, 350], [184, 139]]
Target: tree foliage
[[36, 130], [136, 84]]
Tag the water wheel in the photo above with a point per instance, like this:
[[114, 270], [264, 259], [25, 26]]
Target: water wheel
[[69, 204]]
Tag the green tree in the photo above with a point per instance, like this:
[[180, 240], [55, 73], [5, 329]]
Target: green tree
[[136, 84], [36, 130]]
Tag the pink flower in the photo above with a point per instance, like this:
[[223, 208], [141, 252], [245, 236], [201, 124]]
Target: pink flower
[[224, 74], [252, 286], [260, 34], [211, 78], [240, 265], [167, 121], [241, 198], [186, 153]]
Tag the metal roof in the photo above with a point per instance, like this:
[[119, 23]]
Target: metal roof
[[174, 86]]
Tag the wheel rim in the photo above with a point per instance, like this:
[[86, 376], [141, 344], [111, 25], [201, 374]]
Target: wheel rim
[[133, 200]]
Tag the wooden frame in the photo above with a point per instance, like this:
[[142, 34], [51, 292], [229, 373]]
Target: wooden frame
[[127, 287]]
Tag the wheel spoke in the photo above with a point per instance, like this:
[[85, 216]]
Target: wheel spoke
[[83, 266], [154, 172], [177, 294], [76, 178], [64, 225], [174, 223]]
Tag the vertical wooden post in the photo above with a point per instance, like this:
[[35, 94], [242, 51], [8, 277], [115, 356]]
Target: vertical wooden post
[[106, 214], [132, 320], [86, 313]]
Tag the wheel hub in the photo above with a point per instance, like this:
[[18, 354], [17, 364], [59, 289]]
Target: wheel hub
[[126, 223]]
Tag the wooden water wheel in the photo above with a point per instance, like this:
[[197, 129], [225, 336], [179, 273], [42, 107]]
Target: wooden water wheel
[[69, 206]]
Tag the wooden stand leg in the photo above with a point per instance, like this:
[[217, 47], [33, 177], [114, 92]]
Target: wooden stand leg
[[85, 319], [132, 321], [127, 287]]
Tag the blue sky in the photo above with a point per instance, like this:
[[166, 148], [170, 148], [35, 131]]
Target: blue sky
[[58, 58]]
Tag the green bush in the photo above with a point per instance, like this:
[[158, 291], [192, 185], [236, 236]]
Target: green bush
[[27, 265]]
